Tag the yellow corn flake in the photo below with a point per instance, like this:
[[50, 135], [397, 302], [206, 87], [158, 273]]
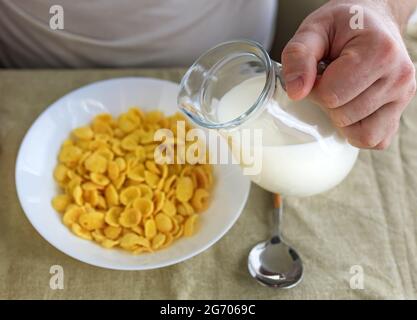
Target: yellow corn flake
[[153, 116], [179, 233], [159, 201], [152, 167], [190, 225], [129, 194], [115, 193], [104, 117], [129, 143], [150, 229], [99, 179], [102, 203], [106, 153], [112, 197], [121, 163], [112, 233], [145, 191], [169, 238], [130, 183], [158, 241], [102, 127], [140, 153], [71, 215], [96, 163], [200, 199], [119, 133], [81, 232], [83, 133], [169, 208], [179, 218], [186, 171], [112, 216], [96, 144], [147, 137], [170, 183], [138, 229], [98, 235], [126, 123], [144, 205], [130, 217], [81, 170], [171, 195], [102, 140], [140, 250], [118, 183], [160, 185], [202, 178], [91, 197], [61, 202], [131, 240], [117, 149], [164, 171], [75, 182], [136, 114], [60, 173], [163, 222], [77, 194], [113, 170], [185, 209], [90, 186], [70, 155], [107, 243], [136, 173], [151, 179], [91, 220], [175, 226], [185, 189], [131, 161]]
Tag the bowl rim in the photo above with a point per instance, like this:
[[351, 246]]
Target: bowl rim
[[26, 209]]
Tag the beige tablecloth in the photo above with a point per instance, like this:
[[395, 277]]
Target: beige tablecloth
[[369, 220]]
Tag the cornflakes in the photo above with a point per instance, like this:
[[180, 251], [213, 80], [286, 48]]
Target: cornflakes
[[116, 194], [163, 222], [185, 189], [130, 217]]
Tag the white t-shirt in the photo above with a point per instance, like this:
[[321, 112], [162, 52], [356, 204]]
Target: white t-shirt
[[127, 33]]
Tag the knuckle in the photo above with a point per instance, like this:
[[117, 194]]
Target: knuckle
[[383, 145], [355, 57], [294, 47], [406, 73], [367, 137], [387, 46], [406, 96], [329, 98], [340, 118]]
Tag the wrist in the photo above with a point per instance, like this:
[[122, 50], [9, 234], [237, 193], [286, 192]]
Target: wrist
[[400, 12]]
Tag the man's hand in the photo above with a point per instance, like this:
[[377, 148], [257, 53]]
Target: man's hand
[[370, 79]]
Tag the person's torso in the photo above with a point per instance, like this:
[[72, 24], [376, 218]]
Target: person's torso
[[127, 33]]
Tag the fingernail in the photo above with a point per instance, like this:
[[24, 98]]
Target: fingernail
[[294, 84]]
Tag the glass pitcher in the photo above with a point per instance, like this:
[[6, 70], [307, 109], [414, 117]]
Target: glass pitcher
[[237, 89]]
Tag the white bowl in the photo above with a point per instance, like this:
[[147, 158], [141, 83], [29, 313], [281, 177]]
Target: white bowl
[[38, 156]]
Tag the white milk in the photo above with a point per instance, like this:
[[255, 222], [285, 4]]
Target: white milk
[[304, 157]]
